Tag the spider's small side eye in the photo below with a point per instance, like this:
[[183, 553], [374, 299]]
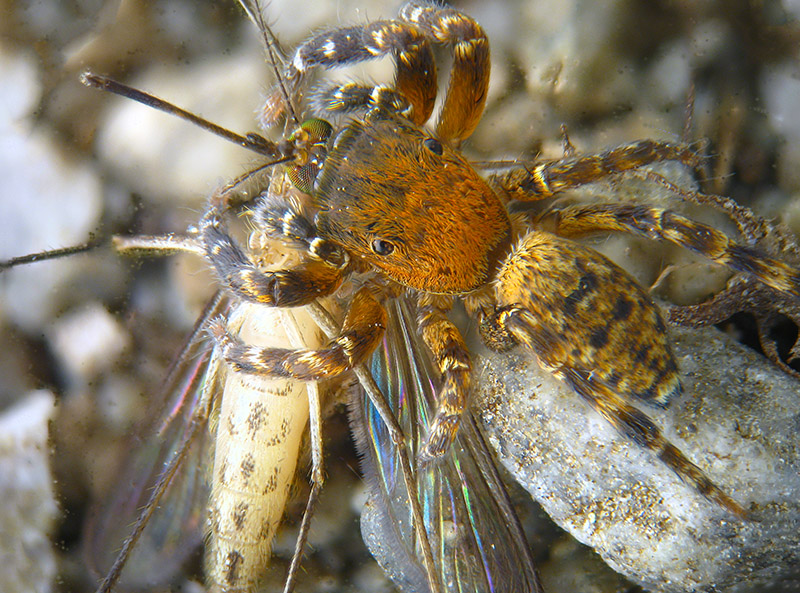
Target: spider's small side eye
[[433, 145], [381, 247]]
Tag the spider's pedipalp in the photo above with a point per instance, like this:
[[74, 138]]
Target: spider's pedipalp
[[279, 288], [284, 219], [362, 331], [657, 223]]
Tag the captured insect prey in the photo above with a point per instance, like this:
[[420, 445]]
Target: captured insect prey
[[494, 263]]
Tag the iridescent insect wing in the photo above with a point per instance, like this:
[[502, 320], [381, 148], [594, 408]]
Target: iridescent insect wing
[[477, 542], [176, 528]]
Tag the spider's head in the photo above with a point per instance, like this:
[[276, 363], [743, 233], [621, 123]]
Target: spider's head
[[410, 206]]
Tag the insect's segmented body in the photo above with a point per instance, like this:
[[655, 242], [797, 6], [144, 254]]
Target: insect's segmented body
[[260, 428]]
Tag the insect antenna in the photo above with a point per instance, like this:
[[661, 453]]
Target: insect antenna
[[92, 243], [275, 55], [251, 141]]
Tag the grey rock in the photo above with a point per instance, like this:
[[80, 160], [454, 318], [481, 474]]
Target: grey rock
[[29, 510], [737, 419]]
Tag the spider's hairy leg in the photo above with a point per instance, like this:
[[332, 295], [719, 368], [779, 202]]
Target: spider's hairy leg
[[628, 420], [361, 332], [279, 288], [547, 178], [469, 76], [451, 356], [415, 77], [591, 325], [657, 223]]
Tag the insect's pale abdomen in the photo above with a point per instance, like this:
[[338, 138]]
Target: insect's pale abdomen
[[259, 433]]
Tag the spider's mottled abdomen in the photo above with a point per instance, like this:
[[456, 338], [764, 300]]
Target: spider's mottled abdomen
[[590, 316]]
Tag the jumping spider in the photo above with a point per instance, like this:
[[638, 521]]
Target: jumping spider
[[391, 197]]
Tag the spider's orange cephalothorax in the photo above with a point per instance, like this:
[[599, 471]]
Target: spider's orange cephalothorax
[[411, 206]]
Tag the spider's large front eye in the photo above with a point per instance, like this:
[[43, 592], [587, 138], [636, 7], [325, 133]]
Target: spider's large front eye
[[382, 247], [433, 145]]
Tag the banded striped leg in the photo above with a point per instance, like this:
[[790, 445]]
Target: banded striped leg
[[452, 358], [628, 420], [415, 77], [361, 333], [656, 223], [469, 76], [545, 179]]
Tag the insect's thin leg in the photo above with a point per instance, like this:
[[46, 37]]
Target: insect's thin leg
[[317, 481], [158, 245], [415, 77], [688, 110], [657, 223], [469, 76], [278, 288], [452, 358], [361, 333], [317, 460], [547, 178], [196, 425], [92, 243], [275, 56], [365, 378]]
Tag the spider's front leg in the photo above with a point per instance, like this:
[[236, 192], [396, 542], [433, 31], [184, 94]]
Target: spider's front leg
[[415, 78], [361, 333], [451, 357], [591, 325]]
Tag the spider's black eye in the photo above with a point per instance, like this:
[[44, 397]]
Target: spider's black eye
[[381, 247], [433, 145]]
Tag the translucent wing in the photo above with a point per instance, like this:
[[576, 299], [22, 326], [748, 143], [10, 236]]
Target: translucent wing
[[177, 526], [477, 541]]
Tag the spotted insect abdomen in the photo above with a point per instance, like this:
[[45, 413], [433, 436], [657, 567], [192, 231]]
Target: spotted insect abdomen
[[259, 433], [585, 313]]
